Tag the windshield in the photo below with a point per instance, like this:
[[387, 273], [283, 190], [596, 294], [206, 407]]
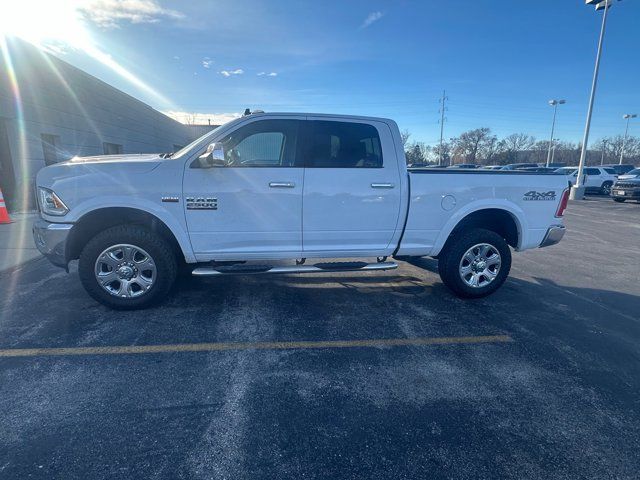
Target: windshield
[[565, 170], [188, 148], [635, 171]]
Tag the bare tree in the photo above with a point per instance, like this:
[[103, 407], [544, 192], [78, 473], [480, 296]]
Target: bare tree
[[404, 136], [436, 150], [468, 145], [614, 148], [490, 149]]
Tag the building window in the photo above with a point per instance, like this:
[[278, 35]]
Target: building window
[[50, 148], [112, 148]]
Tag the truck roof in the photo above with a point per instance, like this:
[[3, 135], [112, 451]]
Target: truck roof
[[327, 115]]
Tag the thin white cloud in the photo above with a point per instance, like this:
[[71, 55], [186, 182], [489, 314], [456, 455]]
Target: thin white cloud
[[270, 74], [200, 118], [207, 62], [176, 57], [110, 13], [228, 73], [371, 18]]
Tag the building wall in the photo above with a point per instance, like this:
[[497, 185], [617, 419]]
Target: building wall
[[74, 109]]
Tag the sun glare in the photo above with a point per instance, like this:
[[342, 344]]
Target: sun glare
[[42, 21], [52, 24]]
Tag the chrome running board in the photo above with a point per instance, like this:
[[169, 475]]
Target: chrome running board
[[317, 268]]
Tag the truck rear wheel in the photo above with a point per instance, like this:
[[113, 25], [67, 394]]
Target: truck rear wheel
[[475, 263], [127, 267]]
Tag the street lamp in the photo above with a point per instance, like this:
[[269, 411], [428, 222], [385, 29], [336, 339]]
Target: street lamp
[[627, 117], [604, 149], [554, 104], [577, 191]]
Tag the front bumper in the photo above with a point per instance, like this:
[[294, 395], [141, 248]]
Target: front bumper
[[554, 235], [625, 192], [51, 239]]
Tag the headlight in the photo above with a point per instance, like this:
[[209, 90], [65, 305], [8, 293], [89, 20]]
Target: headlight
[[50, 203]]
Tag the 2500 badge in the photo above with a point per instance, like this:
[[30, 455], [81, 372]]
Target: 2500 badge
[[533, 195]]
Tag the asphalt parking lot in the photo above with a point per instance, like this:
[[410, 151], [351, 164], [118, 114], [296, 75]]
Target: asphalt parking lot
[[538, 381]]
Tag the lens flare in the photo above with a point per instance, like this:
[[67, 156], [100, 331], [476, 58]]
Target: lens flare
[[52, 24]]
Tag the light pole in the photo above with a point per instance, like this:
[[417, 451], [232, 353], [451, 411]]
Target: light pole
[[577, 191], [604, 148], [627, 117], [554, 104], [553, 152]]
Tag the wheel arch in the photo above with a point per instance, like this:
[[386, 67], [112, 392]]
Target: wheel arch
[[497, 219], [95, 221]]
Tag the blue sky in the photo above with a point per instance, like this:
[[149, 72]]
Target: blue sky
[[499, 60]]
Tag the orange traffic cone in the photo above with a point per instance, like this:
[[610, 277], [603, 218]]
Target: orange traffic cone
[[4, 213]]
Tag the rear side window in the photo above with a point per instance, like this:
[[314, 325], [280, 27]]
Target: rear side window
[[344, 145], [610, 171]]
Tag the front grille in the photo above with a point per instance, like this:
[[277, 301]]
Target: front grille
[[626, 185]]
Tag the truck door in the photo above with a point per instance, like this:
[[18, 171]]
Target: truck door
[[252, 207], [352, 194]]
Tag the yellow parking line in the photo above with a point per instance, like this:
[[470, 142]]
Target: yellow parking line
[[214, 347]]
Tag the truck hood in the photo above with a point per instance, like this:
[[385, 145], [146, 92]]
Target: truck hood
[[144, 157], [633, 180], [628, 177]]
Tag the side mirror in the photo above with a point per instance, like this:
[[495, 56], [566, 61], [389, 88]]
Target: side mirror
[[213, 157]]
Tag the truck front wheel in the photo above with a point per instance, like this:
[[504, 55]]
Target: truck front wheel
[[475, 263], [127, 267]]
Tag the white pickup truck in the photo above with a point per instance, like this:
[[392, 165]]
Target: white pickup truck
[[266, 192]]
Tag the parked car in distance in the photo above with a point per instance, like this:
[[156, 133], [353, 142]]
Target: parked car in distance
[[492, 167], [246, 192], [554, 165], [627, 189], [619, 169], [516, 166], [635, 173], [538, 169], [464, 165], [597, 179]]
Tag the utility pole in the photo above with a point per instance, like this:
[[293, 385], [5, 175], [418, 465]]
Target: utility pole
[[442, 119], [604, 148], [627, 117]]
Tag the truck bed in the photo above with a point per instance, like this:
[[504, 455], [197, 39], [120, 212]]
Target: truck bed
[[440, 198]]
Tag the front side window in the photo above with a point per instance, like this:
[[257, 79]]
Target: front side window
[[264, 143], [344, 145], [592, 171]]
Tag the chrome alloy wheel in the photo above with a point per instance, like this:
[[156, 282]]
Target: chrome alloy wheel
[[480, 265], [125, 271]]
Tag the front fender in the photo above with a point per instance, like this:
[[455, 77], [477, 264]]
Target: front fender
[[173, 219]]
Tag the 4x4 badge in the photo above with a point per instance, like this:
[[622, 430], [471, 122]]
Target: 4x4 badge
[[533, 195]]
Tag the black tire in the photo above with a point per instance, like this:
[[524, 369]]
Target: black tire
[[605, 189], [619, 200], [158, 249], [451, 257]]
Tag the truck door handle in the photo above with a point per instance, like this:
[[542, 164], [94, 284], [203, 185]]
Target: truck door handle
[[382, 185], [282, 185]]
